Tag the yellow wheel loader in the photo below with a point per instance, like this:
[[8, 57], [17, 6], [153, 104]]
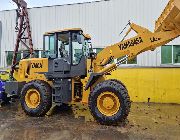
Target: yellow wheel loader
[[70, 72]]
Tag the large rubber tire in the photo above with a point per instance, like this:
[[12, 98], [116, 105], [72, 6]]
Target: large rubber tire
[[127, 96], [116, 87], [115, 80], [45, 98]]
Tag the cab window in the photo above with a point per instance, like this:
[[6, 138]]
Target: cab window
[[63, 45], [77, 48], [49, 46]]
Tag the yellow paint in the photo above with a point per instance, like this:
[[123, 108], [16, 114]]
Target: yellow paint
[[108, 103], [32, 98], [4, 75], [170, 13], [167, 29], [161, 85], [30, 69]]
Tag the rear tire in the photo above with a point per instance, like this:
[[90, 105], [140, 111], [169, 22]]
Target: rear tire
[[36, 98], [109, 102]]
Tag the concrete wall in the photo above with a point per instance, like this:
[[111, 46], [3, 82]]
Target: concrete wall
[[103, 20], [159, 85]]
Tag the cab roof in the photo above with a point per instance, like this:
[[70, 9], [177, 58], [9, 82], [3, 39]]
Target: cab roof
[[64, 30], [68, 29]]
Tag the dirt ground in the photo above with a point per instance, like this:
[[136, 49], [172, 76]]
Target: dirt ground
[[146, 121]]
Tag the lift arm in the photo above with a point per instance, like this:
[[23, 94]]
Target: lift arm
[[23, 33], [167, 29]]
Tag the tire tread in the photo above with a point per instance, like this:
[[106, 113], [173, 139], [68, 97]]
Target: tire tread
[[120, 89]]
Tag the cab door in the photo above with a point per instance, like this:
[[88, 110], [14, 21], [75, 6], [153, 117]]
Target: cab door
[[62, 62], [79, 62]]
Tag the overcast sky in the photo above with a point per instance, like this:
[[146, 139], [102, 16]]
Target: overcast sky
[[8, 4]]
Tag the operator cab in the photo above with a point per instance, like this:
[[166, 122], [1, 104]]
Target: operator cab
[[67, 51]]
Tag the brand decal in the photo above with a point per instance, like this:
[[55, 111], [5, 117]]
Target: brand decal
[[36, 65], [130, 43], [154, 39]]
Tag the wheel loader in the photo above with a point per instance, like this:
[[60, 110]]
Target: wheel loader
[[69, 72]]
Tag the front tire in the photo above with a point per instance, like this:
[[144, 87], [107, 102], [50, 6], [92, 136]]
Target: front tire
[[109, 102], [36, 98]]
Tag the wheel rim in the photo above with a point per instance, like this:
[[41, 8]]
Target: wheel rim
[[32, 98], [108, 103]]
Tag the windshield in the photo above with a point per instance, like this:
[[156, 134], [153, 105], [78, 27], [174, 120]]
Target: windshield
[[80, 46], [77, 47], [63, 45]]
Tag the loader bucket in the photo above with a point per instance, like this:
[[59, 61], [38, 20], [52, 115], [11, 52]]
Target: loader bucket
[[170, 17]]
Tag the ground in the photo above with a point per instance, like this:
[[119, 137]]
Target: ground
[[145, 121]]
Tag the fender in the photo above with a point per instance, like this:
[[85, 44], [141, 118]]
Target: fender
[[92, 79]]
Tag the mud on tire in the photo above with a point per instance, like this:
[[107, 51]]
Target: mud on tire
[[45, 98], [120, 91]]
